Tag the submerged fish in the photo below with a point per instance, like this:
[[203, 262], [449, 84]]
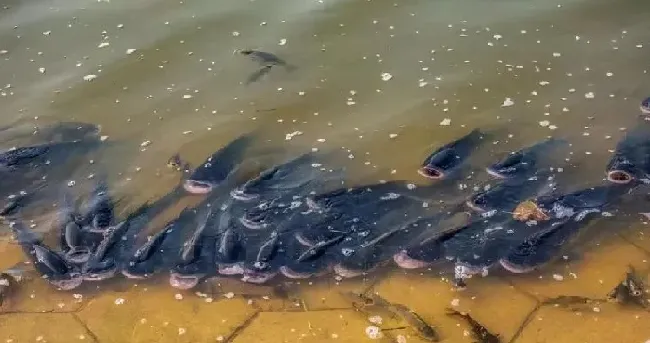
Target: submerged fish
[[523, 163], [542, 246], [505, 196], [429, 246], [159, 251], [448, 158], [218, 167], [197, 256], [372, 301], [104, 261], [295, 176], [480, 333], [46, 261]]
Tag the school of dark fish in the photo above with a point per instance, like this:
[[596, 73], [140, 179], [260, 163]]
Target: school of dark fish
[[299, 220]]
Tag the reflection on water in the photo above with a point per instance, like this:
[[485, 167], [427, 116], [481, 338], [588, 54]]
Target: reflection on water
[[383, 83]]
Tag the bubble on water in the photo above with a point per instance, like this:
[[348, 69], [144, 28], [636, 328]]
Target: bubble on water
[[386, 76], [89, 77], [445, 122], [507, 102]]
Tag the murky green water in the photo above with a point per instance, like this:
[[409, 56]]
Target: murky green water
[[382, 81]]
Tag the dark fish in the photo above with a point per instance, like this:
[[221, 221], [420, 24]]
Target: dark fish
[[46, 261], [448, 158], [645, 106], [268, 213], [230, 251], [523, 163], [597, 199], [429, 246], [631, 159], [265, 59], [218, 167], [31, 157], [160, 251], [103, 263], [379, 238], [312, 261], [294, 176], [480, 333], [505, 196], [260, 270], [115, 251], [256, 76], [476, 247], [542, 246], [74, 243], [197, 255], [375, 301]]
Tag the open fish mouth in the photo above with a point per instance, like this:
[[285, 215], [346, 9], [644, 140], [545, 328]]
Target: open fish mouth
[[303, 240], [197, 187], [250, 224], [346, 272], [292, 274], [619, 177], [515, 268], [183, 282], [403, 260], [241, 195], [67, 284], [134, 275], [495, 173], [100, 275], [230, 268], [257, 277], [432, 173]]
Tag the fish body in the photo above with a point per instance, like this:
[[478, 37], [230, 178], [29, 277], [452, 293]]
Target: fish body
[[525, 162]]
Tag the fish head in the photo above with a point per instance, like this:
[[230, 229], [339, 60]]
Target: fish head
[[512, 166], [184, 281], [622, 170], [438, 164], [100, 270], [252, 189], [198, 187]]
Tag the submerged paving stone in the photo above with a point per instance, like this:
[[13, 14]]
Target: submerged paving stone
[[35, 294], [638, 234], [315, 326], [51, 328], [598, 270], [159, 315], [602, 324], [495, 304]]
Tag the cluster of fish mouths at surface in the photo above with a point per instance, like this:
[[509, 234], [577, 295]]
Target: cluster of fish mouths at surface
[[299, 220]]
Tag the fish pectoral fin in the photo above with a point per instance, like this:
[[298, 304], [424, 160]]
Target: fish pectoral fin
[[256, 76]]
